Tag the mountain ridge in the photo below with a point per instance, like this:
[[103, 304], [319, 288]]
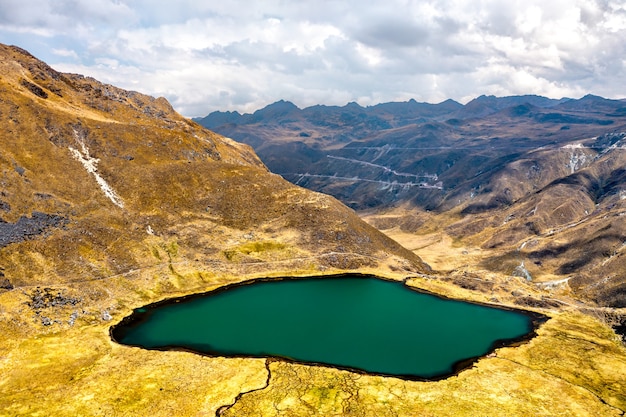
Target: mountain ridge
[[110, 201], [95, 176], [447, 106], [483, 165]]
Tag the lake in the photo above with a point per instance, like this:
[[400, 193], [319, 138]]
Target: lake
[[360, 323]]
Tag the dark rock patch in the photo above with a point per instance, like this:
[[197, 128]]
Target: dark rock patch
[[536, 302], [28, 228], [620, 329], [20, 170], [471, 282], [46, 298], [614, 297], [35, 89], [5, 284]]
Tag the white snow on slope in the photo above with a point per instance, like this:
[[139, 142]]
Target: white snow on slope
[[90, 165]]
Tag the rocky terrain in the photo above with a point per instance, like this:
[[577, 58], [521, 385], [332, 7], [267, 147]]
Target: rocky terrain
[[110, 200], [523, 185]]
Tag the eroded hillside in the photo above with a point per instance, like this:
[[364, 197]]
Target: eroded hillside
[[519, 186], [110, 200], [97, 180]]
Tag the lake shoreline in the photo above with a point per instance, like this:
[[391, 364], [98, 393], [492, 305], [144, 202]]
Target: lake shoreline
[[142, 314]]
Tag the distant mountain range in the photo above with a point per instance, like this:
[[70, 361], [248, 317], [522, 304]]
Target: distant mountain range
[[110, 201], [396, 114], [542, 174], [402, 151]]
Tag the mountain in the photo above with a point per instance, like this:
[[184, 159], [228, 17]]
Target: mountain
[[93, 172], [525, 180], [485, 105], [110, 201], [219, 118]]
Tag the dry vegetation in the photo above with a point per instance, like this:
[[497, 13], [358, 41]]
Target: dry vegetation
[[573, 367], [199, 212]]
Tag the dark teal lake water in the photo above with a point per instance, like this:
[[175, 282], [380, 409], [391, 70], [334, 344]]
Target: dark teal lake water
[[353, 322]]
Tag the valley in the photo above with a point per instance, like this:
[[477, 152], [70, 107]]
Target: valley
[[521, 185], [110, 201]]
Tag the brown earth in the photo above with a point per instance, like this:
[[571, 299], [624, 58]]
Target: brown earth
[[534, 186], [110, 200]]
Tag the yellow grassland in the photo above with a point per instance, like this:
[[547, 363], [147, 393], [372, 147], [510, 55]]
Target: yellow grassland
[[575, 366], [201, 211]]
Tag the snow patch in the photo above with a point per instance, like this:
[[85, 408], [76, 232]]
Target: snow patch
[[573, 146], [91, 165], [106, 316], [550, 285], [576, 162], [521, 271]]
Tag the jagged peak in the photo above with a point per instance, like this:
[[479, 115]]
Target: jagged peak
[[282, 105], [353, 105]]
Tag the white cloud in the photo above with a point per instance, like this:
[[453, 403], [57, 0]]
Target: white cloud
[[65, 53], [243, 55]]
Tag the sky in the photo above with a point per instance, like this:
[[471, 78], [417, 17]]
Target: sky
[[208, 55]]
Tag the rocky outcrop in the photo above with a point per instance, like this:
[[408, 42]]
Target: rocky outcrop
[[47, 298], [29, 227]]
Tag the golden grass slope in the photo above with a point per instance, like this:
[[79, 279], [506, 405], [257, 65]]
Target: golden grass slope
[[538, 379], [121, 168], [574, 367], [197, 211]]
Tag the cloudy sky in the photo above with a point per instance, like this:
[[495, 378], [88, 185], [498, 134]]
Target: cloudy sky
[[206, 55]]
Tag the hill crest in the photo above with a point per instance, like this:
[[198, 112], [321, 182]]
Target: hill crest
[[497, 173], [98, 180]]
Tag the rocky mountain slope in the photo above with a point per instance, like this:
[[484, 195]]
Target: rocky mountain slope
[[110, 200], [92, 173], [535, 185]]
